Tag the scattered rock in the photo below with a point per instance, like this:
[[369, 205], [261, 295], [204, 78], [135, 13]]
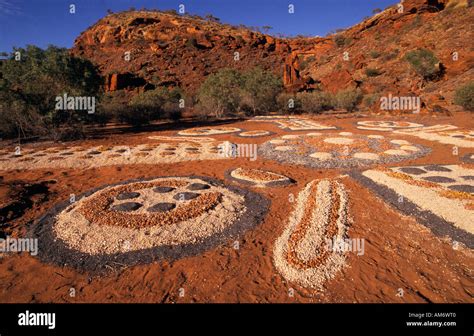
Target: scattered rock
[[198, 186], [463, 188], [439, 179], [129, 206], [412, 170], [163, 190], [436, 168], [185, 196], [162, 207], [128, 195]]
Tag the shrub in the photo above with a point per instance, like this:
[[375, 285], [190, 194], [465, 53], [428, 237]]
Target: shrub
[[390, 56], [287, 103], [192, 43], [348, 99], [19, 119], [100, 118], [315, 102], [171, 108], [371, 99], [371, 72], [141, 110], [149, 106], [220, 93], [229, 91], [259, 91], [424, 62], [29, 88], [112, 103], [135, 115], [152, 100], [341, 41], [464, 96], [375, 54]]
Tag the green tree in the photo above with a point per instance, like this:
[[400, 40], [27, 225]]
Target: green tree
[[152, 105], [32, 78], [315, 102], [464, 96], [259, 90], [348, 99], [287, 103], [424, 62], [220, 93]]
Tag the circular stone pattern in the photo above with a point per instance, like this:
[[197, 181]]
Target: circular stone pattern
[[206, 131], [385, 126], [258, 178], [255, 134], [340, 150], [165, 220]]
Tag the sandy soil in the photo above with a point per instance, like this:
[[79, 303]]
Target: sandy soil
[[401, 255]]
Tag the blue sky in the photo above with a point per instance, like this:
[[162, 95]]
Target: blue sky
[[43, 22]]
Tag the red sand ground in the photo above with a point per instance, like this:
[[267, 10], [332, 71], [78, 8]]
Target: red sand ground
[[399, 252]]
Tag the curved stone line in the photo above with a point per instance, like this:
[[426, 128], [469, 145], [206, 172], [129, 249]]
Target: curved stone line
[[283, 123], [271, 184], [269, 133], [300, 253], [189, 132], [55, 251], [199, 139], [439, 133], [385, 126], [312, 209], [439, 226]]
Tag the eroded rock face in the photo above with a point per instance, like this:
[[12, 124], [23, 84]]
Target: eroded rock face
[[380, 43], [133, 49], [121, 81], [171, 50], [414, 6]]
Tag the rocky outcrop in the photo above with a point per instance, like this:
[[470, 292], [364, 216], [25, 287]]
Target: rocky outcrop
[[124, 81], [370, 55], [167, 49], [137, 50]]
